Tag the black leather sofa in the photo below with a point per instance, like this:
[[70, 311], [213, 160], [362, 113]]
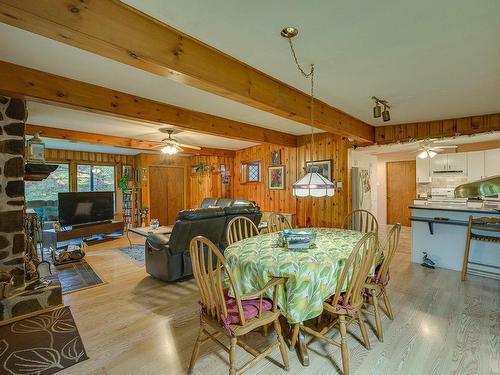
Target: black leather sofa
[[167, 256]]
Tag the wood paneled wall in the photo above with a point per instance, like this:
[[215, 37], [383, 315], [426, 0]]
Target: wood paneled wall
[[209, 184], [327, 212], [441, 128], [268, 200]]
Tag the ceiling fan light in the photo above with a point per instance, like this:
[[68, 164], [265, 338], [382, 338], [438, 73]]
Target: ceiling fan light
[[377, 111], [170, 150], [422, 155], [385, 115], [432, 153]]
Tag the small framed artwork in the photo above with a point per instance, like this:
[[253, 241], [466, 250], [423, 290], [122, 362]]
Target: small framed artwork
[[276, 157], [323, 167], [127, 170], [223, 168], [276, 176]]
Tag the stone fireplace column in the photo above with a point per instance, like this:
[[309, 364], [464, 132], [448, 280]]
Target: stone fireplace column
[[12, 238]]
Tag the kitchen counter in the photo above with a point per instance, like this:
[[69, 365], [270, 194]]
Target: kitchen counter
[[441, 230], [456, 207]]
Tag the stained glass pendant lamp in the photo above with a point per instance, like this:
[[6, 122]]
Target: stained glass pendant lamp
[[313, 184]]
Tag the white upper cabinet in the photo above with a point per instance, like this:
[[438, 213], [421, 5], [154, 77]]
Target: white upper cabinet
[[457, 162], [475, 165], [423, 170], [439, 163], [443, 164], [492, 162]]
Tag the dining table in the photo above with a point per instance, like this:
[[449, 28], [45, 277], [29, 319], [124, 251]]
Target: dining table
[[311, 274]]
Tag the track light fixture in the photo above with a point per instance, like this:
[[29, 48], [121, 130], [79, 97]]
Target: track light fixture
[[377, 109]]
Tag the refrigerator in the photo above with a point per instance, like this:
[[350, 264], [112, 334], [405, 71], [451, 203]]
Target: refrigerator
[[361, 188]]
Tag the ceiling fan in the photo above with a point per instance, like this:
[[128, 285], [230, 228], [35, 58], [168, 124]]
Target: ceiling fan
[[172, 146], [430, 148]]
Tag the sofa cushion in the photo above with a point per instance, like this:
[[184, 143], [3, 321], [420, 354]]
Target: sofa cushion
[[200, 213], [239, 210], [243, 202], [224, 202], [207, 202]]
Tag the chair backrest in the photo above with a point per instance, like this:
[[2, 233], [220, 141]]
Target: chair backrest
[[362, 221], [388, 249], [210, 269], [277, 222], [490, 224], [355, 272], [240, 228]]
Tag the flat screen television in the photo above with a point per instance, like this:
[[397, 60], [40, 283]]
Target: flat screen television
[[86, 207]]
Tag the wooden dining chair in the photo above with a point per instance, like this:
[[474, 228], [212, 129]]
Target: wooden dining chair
[[239, 228], [277, 222], [484, 224], [362, 221], [233, 317], [345, 306], [375, 284]]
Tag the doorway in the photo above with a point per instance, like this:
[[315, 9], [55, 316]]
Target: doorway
[[401, 191], [166, 193]]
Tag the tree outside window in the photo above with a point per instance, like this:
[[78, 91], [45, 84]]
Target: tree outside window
[[42, 196], [95, 177]]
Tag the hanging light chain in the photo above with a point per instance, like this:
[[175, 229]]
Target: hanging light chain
[[306, 75]]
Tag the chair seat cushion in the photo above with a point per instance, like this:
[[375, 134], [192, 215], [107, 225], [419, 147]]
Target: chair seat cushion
[[250, 308]]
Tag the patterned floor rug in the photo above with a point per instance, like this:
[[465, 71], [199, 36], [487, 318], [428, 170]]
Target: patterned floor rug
[[41, 345], [136, 253]]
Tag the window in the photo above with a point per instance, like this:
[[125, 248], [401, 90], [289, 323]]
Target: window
[[95, 177], [42, 195], [251, 171]]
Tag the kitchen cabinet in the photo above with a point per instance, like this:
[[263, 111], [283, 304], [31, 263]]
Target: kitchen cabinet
[[423, 170], [455, 163], [475, 165], [439, 163], [492, 162]]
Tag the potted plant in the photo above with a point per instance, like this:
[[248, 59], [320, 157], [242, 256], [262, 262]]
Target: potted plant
[[123, 183]]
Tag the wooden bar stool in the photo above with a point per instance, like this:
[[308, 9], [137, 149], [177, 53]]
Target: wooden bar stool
[[484, 224]]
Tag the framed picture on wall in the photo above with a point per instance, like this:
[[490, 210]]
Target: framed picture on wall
[[324, 167], [276, 176], [127, 170], [276, 157]]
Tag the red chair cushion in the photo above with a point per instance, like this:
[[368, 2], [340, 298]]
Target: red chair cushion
[[250, 308]]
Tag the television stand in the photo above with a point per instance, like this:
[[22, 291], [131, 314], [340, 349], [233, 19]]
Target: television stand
[[83, 225], [51, 238]]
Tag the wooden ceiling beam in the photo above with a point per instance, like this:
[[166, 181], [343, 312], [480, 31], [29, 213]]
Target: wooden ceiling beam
[[133, 38], [437, 129], [43, 87], [111, 140]]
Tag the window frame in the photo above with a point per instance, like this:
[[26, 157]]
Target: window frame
[[92, 165], [245, 171]]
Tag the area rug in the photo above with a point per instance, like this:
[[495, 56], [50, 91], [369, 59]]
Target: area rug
[[41, 345], [136, 253], [76, 276]]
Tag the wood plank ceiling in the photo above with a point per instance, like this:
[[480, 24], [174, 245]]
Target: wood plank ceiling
[[158, 48]]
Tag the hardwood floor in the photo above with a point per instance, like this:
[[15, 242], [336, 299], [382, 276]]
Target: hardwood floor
[[137, 325]]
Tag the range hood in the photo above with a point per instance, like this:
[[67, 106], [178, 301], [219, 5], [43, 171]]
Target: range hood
[[38, 171]]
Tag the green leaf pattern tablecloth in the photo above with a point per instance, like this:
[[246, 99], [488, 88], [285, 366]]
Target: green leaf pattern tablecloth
[[312, 275]]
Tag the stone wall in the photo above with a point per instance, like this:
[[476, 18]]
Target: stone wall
[[12, 239]]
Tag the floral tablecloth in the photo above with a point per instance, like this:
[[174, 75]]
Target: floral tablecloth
[[312, 275]]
